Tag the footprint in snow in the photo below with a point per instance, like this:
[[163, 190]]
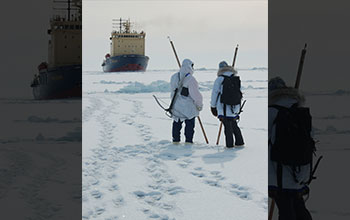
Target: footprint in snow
[[119, 201], [240, 191], [175, 190], [96, 194], [212, 183], [217, 175], [114, 187], [99, 211], [112, 218], [200, 175], [155, 195]]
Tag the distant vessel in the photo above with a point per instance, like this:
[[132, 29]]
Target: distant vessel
[[61, 76], [127, 50]]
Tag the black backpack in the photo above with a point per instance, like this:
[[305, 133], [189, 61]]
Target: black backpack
[[231, 91], [293, 144]]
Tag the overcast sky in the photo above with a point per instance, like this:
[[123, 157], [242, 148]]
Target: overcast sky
[[204, 31], [324, 29]]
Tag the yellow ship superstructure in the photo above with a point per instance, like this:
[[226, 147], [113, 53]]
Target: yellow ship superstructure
[[65, 43]]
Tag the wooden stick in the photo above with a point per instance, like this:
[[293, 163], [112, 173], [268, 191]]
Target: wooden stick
[[235, 56], [199, 119], [218, 139], [205, 136], [300, 68], [177, 58], [272, 207]]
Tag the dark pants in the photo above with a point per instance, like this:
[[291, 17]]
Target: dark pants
[[291, 206], [189, 130], [231, 128]]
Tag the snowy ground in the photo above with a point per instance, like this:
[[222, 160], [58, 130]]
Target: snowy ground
[[40, 154], [131, 170]]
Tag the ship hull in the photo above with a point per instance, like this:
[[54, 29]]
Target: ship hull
[[125, 63], [59, 83]]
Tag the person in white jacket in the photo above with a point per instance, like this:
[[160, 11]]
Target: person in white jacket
[[217, 108], [289, 200], [188, 101]]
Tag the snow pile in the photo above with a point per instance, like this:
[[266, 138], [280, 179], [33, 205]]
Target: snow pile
[[112, 82], [137, 87]]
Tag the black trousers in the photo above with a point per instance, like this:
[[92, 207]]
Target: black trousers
[[189, 130], [231, 128], [291, 206]]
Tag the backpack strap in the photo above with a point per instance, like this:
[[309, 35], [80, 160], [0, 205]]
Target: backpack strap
[[221, 85], [279, 175], [176, 91], [224, 110], [279, 164]]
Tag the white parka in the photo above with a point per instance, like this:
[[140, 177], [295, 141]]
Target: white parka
[[286, 98], [217, 90], [186, 107]]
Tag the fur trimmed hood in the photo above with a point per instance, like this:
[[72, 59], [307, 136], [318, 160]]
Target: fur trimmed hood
[[288, 92], [226, 69]]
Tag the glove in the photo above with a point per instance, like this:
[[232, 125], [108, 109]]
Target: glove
[[214, 111], [199, 108]]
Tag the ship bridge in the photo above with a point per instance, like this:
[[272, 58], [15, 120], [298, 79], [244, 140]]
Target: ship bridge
[[125, 41]]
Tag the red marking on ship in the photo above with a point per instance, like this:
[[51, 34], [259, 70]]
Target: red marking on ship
[[128, 67]]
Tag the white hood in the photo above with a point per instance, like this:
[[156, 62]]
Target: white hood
[[186, 67]]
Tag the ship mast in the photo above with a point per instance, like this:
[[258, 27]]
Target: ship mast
[[124, 25], [69, 7]]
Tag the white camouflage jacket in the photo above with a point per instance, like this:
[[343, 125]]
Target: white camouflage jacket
[[186, 107]]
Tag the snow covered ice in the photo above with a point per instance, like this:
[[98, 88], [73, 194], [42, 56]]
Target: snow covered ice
[[132, 170], [40, 154]]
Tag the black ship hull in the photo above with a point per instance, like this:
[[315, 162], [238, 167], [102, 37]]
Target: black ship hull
[[58, 83], [125, 63]]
